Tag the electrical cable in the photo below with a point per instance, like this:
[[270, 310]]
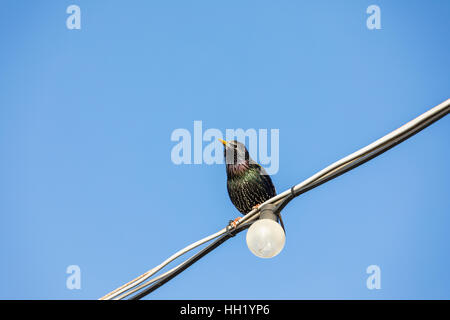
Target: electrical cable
[[281, 200]]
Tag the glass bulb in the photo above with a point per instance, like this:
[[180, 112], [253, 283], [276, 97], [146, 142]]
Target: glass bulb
[[265, 238]]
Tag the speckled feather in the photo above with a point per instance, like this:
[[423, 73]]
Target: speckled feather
[[248, 184], [249, 188]]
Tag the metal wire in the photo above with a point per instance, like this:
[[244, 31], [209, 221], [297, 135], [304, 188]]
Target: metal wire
[[332, 171], [182, 266], [151, 272], [189, 262]]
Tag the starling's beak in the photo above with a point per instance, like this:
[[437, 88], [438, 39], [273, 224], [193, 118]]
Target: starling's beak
[[223, 141]]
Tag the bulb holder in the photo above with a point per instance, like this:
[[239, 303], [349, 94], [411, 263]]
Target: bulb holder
[[268, 212], [265, 237]]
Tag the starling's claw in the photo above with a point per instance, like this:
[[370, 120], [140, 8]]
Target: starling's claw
[[233, 223], [256, 207]]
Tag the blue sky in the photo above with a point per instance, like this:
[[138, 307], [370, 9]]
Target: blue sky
[[86, 118]]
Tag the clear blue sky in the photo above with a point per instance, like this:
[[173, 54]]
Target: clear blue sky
[[86, 117]]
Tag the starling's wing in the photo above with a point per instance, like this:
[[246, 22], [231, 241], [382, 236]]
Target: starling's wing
[[268, 184], [250, 189], [270, 188]]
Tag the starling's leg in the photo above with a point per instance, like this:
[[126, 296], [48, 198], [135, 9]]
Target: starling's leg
[[233, 223]]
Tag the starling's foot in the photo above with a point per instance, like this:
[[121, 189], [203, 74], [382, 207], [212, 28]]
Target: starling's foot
[[233, 223], [256, 207]]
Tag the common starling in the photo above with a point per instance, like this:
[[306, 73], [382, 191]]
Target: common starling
[[248, 184]]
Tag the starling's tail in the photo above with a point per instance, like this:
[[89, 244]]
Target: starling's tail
[[281, 222]]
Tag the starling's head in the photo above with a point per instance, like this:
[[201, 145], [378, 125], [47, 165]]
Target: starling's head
[[236, 155]]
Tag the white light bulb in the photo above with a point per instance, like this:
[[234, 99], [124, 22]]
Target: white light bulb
[[265, 238]]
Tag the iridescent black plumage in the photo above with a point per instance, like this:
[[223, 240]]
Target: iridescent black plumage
[[248, 183]]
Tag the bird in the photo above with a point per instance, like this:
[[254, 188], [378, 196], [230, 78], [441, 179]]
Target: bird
[[248, 183]]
